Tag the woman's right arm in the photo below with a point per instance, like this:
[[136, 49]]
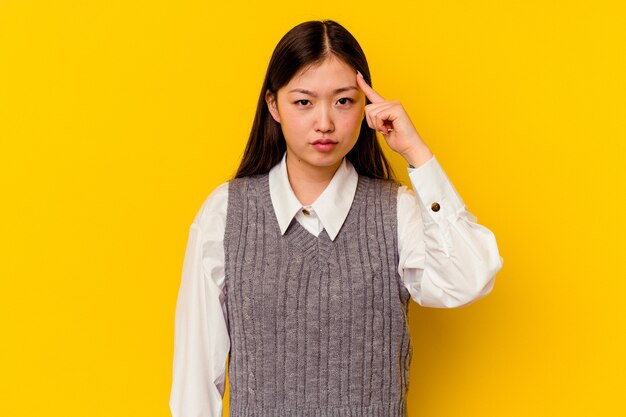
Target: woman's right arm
[[201, 340]]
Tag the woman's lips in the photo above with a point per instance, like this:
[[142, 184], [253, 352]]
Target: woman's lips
[[324, 145]]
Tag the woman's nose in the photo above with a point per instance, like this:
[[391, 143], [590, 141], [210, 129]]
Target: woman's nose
[[324, 120]]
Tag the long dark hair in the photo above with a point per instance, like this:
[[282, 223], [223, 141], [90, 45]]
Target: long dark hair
[[306, 44]]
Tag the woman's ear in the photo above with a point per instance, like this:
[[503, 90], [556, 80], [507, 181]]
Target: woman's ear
[[270, 99]]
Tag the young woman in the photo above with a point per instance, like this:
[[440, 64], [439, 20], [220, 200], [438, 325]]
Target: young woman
[[300, 270]]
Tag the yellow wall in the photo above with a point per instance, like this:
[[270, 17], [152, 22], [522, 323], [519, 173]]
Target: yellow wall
[[118, 117]]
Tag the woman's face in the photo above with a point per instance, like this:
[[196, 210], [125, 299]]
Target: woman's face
[[320, 112]]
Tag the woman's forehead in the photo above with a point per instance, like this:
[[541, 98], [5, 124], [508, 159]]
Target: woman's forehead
[[327, 76]]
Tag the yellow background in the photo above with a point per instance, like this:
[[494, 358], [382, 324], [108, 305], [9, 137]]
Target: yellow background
[[118, 118]]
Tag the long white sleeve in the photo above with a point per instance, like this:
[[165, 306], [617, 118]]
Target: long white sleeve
[[447, 259], [201, 340]]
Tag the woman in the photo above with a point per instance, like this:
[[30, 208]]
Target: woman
[[300, 270]]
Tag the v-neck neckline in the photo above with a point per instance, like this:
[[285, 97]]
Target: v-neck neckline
[[310, 244], [320, 246]]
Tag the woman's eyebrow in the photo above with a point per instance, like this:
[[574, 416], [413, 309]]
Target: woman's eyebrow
[[312, 94]]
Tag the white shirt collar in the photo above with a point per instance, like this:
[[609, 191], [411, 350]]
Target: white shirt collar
[[332, 206]]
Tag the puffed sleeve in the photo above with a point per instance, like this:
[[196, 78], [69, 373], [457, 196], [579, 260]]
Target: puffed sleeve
[[447, 259], [201, 340]]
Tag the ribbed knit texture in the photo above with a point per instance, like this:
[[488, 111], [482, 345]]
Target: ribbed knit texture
[[318, 328]]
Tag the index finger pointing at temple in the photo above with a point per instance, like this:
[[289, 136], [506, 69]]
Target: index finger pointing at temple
[[372, 95]]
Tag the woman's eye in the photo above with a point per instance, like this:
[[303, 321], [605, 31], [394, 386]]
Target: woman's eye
[[345, 100], [302, 102]]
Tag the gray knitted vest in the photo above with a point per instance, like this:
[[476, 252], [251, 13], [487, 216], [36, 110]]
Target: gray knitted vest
[[318, 328]]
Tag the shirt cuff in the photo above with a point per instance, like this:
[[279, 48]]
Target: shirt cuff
[[437, 197]]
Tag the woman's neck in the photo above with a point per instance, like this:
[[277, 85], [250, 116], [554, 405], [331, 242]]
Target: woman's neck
[[308, 181]]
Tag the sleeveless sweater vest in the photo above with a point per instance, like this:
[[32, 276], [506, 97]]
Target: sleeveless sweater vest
[[318, 328]]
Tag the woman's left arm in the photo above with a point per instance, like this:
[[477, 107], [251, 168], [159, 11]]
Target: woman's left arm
[[447, 259]]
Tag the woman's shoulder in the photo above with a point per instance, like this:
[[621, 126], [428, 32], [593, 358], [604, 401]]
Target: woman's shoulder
[[405, 196], [250, 186], [215, 206], [380, 183]]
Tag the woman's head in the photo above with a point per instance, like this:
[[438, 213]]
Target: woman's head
[[320, 46]]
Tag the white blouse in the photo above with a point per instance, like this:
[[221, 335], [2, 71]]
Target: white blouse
[[446, 260]]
